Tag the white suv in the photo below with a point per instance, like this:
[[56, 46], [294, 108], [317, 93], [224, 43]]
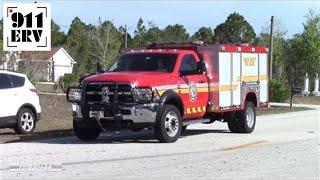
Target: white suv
[[19, 103]]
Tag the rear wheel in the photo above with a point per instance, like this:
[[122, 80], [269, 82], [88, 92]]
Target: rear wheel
[[86, 130], [169, 125], [26, 121], [232, 121], [244, 121]]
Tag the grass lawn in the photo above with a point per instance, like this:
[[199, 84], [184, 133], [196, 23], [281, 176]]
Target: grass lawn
[[306, 100], [56, 120], [46, 87]]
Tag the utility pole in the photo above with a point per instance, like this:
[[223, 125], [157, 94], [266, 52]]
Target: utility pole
[[271, 48], [126, 37]]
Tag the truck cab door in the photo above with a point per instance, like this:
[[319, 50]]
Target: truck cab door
[[192, 87]]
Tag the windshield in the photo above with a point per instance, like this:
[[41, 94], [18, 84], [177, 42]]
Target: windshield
[[145, 62]]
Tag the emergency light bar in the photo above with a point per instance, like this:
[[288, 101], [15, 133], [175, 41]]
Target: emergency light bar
[[198, 45], [175, 45]]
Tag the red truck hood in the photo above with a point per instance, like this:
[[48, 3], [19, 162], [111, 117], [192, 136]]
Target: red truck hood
[[139, 79]]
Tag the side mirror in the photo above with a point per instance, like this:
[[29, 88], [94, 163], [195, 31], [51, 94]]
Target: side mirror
[[74, 94], [201, 66]]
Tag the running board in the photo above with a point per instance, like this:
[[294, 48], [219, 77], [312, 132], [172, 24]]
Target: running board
[[196, 121]]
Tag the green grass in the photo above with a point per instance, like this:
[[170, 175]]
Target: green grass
[[46, 88]]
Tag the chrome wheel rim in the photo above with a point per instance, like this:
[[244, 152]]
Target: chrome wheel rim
[[27, 121], [250, 117], [171, 124]]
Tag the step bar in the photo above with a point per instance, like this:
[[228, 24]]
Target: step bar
[[195, 121]]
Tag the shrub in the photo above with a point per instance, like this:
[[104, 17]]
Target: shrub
[[278, 91], [66, 81]]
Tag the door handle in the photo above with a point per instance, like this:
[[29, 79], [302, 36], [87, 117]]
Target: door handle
[[201, 82]]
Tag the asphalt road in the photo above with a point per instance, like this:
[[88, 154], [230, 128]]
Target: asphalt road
[[283, 146]]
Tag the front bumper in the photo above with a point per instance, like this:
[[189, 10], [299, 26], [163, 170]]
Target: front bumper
[[137, 113]]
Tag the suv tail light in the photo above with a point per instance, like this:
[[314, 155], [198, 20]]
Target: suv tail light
[[33, 90]]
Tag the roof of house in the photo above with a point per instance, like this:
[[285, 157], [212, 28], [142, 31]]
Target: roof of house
[[39, 55]]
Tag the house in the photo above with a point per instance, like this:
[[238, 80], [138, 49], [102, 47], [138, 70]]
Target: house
[[46, 65]]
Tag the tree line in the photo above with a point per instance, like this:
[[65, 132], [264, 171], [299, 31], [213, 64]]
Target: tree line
[[104, 42]]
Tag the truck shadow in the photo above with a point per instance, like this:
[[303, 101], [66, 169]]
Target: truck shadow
[[192, 132], [67, 137], [11, 137]]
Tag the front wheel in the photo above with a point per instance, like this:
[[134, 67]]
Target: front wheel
[[184, 130], [26, 122], [244, 121], [169, 124], [86, 130]]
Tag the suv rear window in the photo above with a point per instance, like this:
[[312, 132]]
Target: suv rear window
[[17, 81], [5, 82]]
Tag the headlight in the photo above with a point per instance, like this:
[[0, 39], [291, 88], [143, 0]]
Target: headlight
[[74, 94], [143, 94]]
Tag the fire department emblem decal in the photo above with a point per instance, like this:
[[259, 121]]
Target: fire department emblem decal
[[193, 92], [105, 94]]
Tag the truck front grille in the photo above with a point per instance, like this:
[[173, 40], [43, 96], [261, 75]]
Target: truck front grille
[[108, 92]]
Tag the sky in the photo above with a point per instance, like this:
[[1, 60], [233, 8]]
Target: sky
[[192, 14]]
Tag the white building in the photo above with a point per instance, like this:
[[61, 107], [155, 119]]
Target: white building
[[47, 65]]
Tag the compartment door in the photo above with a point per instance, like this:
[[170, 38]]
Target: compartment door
[[263, 77], [236, 84], [225, 82]]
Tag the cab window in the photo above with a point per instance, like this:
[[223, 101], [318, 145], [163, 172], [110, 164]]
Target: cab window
[[5, 82], [145, 62], [188, 63]]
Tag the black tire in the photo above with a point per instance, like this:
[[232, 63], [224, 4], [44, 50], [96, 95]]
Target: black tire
[[230, 118], [241, 123], [184, 130], [169, 115], [86, 130], [233, 126], [26, 121]]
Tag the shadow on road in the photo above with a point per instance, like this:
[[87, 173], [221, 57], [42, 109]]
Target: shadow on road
[[192, 132], [127, 136], [13, 137]]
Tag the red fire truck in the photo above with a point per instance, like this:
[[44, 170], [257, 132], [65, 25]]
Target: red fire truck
[[168, 86]]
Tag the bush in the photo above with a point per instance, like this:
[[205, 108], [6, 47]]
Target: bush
[[66, 81], [278, 91]]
